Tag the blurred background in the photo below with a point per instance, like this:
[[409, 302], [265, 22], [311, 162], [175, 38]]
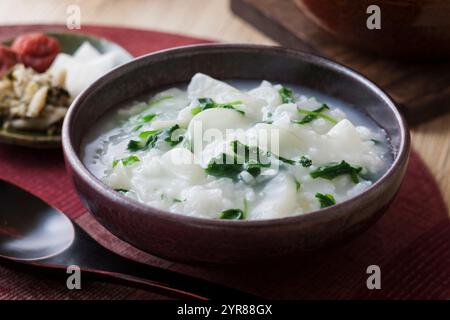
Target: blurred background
[[202, 18]]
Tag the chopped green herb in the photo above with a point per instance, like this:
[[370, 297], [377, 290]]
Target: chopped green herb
[[145, 143], [251, 157], [286, 94], [325, 200], [232, 214], [224, 167], [254, 167], [196, 110], [332, 170], [121, 190], [268, 118], [245, 208], [313, 115], [245, 158], [149, 139], [375, 141], [168, 136], [147, 118], [208, 103], [163, 196], [285, 160], [305, 161], [297, 185], [146, 134], [128, 161]]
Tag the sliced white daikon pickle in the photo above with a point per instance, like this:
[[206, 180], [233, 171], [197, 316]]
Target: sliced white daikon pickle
[[321, 126], [268, 93], [285, 113], [214, 124], [184, 117], [80, 75], [276, 139], [86, 52], [195, 203], [203, 86], [62, 61], [163, 124], [279, 198], [168, 103], [308, 103], [120, 177], [337, 114], [180, 163], [345, 133]]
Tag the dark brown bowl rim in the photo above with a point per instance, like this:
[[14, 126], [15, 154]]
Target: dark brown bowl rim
[[115, 197]]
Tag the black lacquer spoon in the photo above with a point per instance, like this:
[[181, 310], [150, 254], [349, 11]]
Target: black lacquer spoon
[[33, 233]]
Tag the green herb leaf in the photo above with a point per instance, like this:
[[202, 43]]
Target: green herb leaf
[[297, 185], [147, 118], [313, 115], [121, 190], [245, 158], [332, 170], [167, 136], [151, 137], [196, 110], [375, 141], [208, 103], [146, 134], [224, 166], [269, 116], [245, 208], [286, 94], [128, 161], [305, 161], [325, 200], [232, 214]]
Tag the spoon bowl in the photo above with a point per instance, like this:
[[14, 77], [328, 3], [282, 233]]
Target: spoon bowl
[[29, 228]]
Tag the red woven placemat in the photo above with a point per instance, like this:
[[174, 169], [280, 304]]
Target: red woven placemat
[[410, 243]]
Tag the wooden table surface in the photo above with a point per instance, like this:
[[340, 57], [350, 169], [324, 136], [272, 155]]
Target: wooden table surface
[[209, 19]]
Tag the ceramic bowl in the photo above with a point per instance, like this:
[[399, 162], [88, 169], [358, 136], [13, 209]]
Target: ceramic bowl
[[198, 240], [410, 29]]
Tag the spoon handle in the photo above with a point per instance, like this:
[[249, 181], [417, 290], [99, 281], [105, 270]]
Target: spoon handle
[[95, 259], [170, 283]]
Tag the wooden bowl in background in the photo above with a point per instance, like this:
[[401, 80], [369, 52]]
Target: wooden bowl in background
[[411, 29]]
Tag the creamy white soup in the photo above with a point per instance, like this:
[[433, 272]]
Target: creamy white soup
[[238, 151]]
